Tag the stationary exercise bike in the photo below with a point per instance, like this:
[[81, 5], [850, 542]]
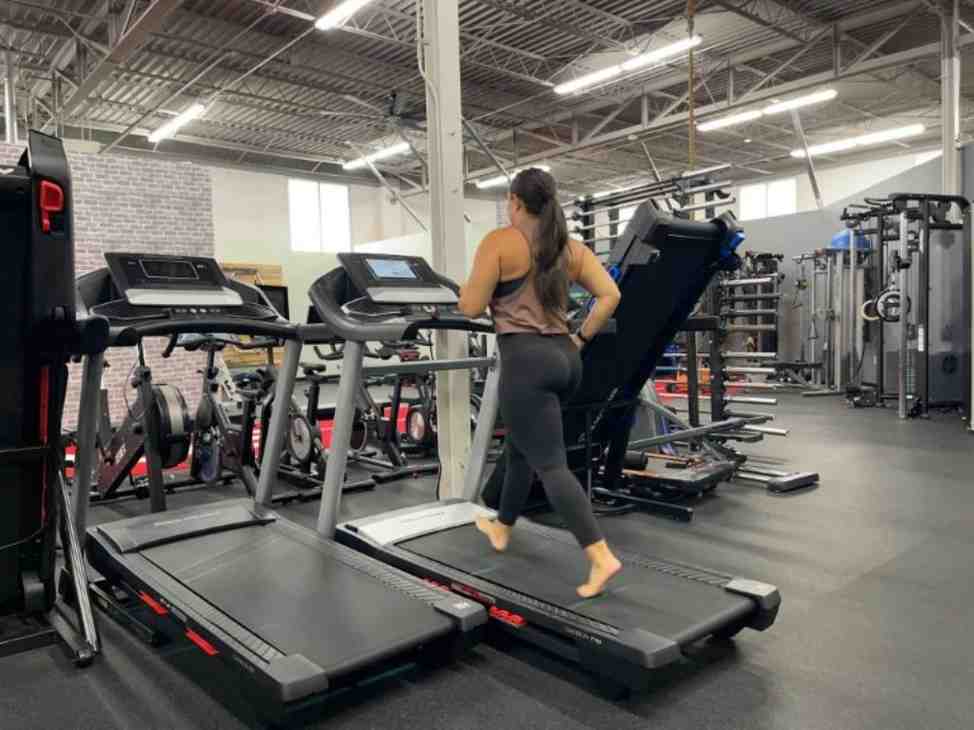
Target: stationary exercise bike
[[421, 423], [221, 443], [121, 450], [375, 440]]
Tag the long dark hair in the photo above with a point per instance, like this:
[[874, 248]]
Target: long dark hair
[[539, 194]]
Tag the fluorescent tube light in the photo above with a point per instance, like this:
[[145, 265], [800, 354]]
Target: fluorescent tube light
[[799, 101], [865, 140], [730, 121], [661, 54], [340, 13], [396, 149], [176, 123], [493, 182], [777, 108], [636, 62]]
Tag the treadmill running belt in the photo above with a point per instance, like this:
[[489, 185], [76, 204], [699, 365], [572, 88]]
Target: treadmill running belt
[[548, 569], [298, 597]]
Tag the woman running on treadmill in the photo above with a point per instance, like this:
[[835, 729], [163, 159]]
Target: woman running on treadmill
[[524, 272]]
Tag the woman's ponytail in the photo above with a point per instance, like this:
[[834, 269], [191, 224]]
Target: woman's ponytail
[[538, 192]]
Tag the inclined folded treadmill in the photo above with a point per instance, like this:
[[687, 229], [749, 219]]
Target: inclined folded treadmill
[[291, 614], [656, 608]]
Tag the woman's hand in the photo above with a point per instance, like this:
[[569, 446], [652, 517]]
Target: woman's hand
[[579, 343]]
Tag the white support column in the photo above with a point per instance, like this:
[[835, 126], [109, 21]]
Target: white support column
[[10, 99], [950, 97], [441, 36]]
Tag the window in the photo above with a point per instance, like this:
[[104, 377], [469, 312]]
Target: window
[[769, 199], [320, 217]]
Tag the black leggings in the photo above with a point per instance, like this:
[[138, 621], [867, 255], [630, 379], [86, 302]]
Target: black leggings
[[538, 374]]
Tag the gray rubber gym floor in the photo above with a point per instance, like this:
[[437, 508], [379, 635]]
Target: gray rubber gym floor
[[876, 569]]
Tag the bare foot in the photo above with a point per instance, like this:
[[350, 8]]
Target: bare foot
[[602, 572], [498, 534]]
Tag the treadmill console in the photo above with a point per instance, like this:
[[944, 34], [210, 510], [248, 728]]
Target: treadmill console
[[138, 288], [390, 279], [152, 280]]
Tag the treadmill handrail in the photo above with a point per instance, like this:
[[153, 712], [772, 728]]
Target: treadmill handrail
[[128, 335], [327, 296]]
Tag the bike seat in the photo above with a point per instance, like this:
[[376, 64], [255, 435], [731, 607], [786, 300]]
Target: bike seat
[[314, 368]]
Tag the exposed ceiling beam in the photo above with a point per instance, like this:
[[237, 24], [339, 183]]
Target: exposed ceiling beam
[[774, 15], [65, 55], [675, 79], [680, 119], [138, 33], [554, 14]]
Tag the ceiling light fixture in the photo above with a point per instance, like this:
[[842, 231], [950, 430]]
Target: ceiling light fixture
[[176, 123], [798, 102], [340, 14], [776, 107], [729, 121], [865, 140], [641, 61], [493, 182], [387, 152]]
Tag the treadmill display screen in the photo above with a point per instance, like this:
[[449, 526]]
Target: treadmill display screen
[[390, 268], [171, 269]]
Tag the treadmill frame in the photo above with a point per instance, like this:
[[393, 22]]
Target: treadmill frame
[[161, 606], [614, 654]]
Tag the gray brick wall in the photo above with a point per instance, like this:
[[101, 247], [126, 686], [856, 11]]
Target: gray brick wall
[[126, 203]]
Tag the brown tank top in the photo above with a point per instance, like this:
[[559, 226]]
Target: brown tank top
[[516, 307]]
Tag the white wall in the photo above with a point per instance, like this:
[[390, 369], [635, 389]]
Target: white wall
[[250, 224], [250, 214], [838, 182]]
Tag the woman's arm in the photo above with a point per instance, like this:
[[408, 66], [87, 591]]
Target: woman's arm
[[476, 293], [589, 272]]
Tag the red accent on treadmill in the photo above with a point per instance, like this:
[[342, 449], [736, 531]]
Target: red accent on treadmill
[[50, 200], [202, 643], [157, 608], [44, 415], [508, 617], [472, 593], [45, 402]]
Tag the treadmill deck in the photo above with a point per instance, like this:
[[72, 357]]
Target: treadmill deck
[[275, 588], [298, 598], [682, 604]]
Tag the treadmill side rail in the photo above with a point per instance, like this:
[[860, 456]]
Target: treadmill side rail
[[297, 677], [765, 596], [467, 614], [657, 651]]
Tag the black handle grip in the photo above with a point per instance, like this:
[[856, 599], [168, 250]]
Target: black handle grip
[[171, 345]]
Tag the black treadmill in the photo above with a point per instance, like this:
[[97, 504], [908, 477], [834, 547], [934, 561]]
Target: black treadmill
[[656, 608], [292, 614]]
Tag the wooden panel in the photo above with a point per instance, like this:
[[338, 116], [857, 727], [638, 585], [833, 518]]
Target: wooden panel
[[251, 273]]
